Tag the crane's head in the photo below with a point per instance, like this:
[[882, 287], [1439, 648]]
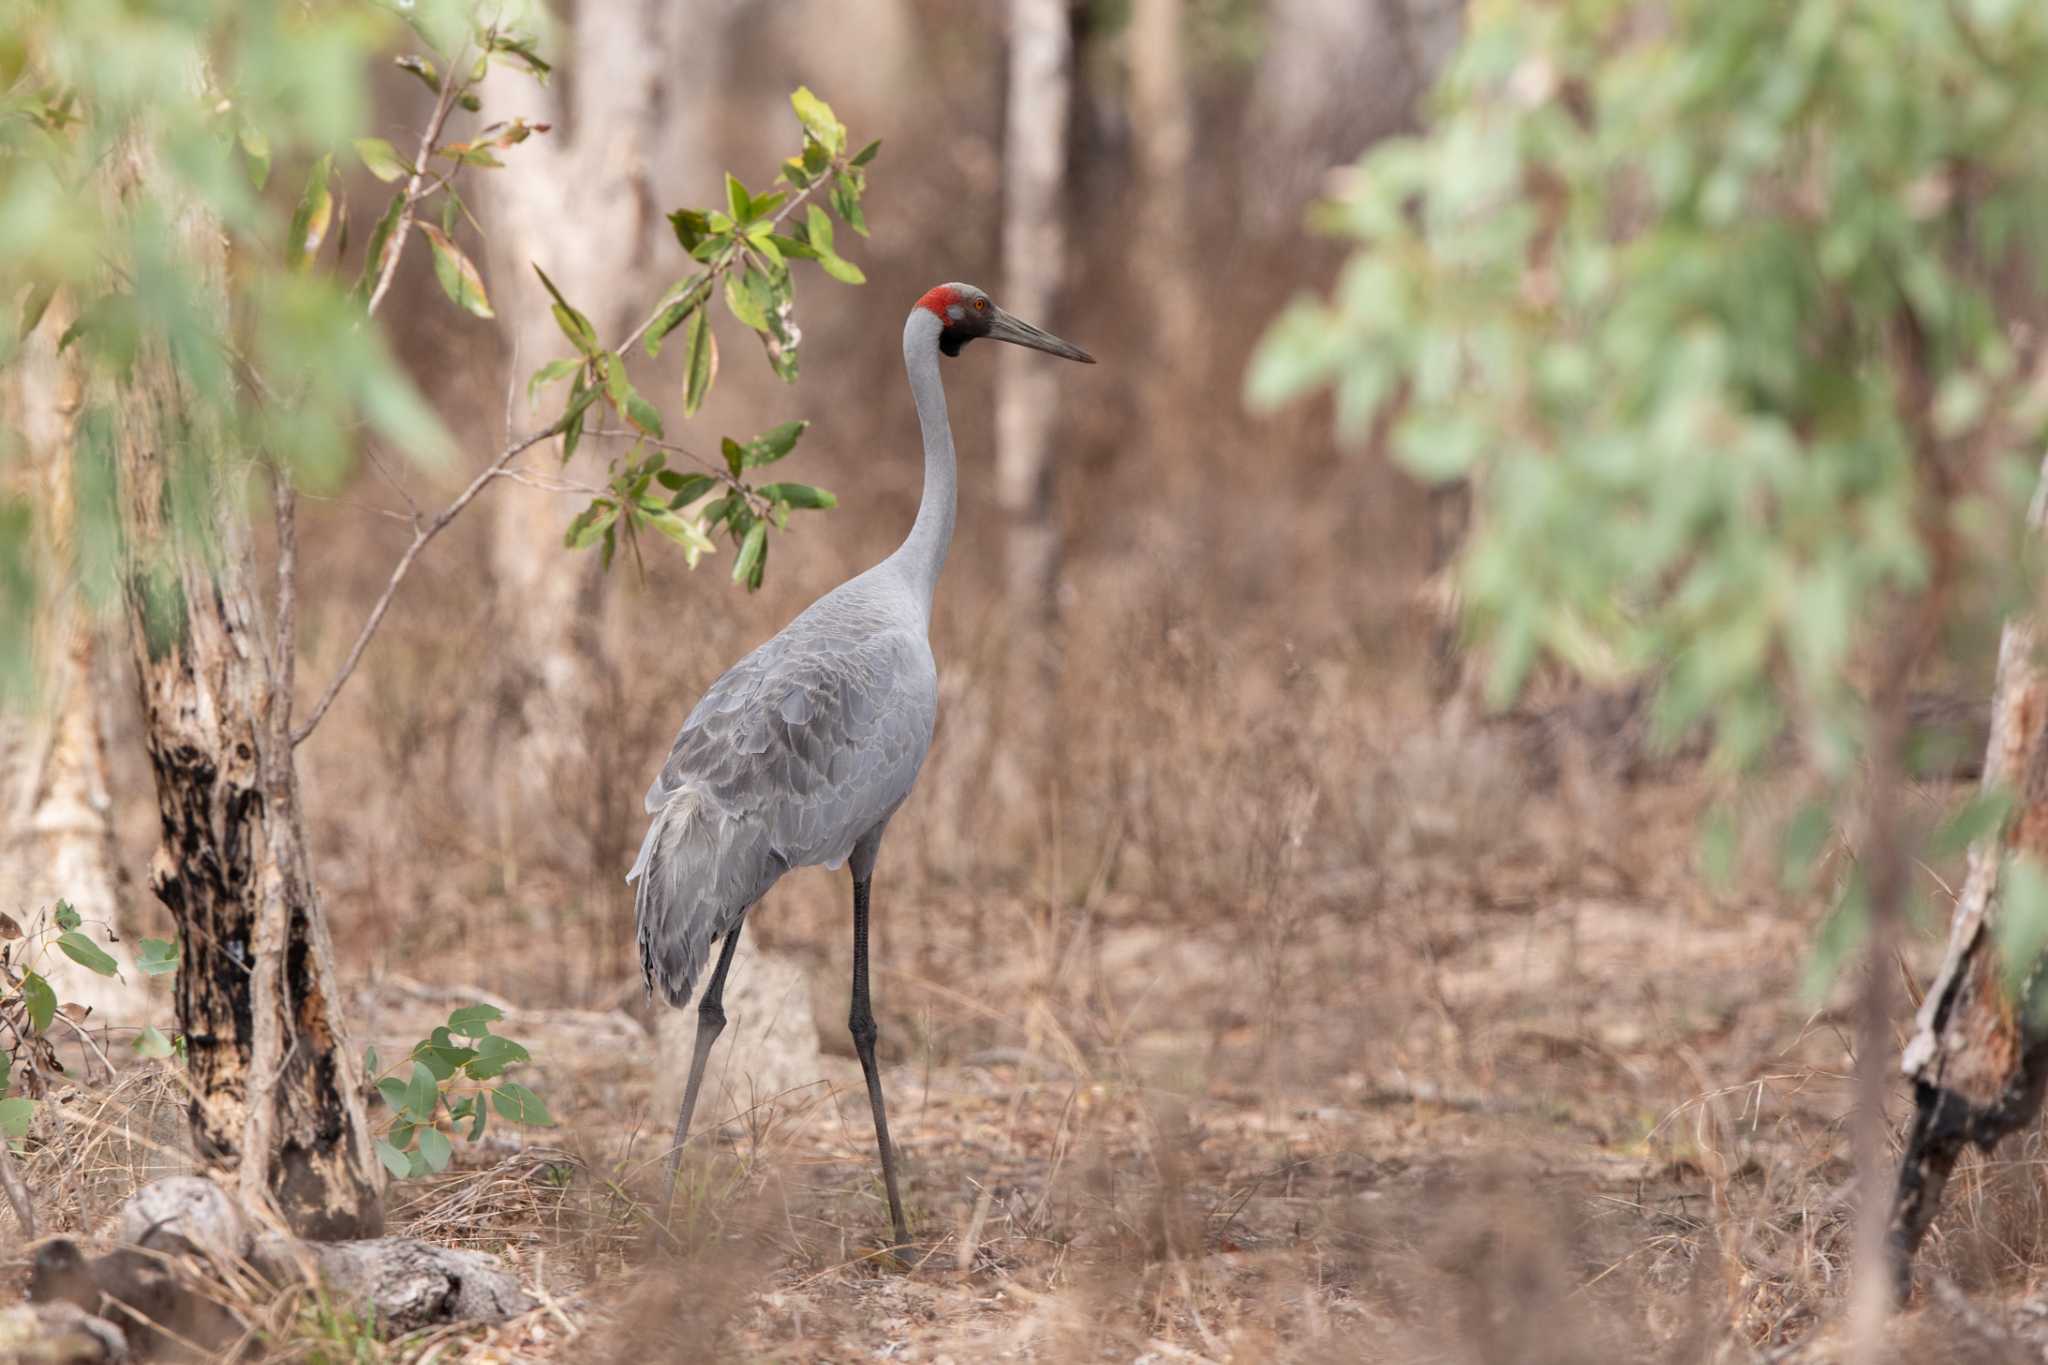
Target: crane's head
[[965, 313]]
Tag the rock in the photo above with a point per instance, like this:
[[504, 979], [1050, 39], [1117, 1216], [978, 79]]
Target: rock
[[769, 1047], [58, 1333], [170, 1299], [408, 1284], [186, 1214]]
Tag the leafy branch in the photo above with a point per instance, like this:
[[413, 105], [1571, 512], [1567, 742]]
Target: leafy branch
[[457, 1076], [746, 256]]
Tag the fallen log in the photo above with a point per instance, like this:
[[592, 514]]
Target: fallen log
[[179, 1274]]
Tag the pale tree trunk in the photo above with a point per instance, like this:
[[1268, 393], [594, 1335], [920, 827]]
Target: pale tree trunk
[[276, 1105], [1335, 75], [1164, 133], [1978, 1058], [635, 83], [1034, 247], [56, 826]]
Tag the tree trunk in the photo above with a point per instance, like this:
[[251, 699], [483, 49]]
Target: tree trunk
[[1978, 1057], [56, 826], [276, 1108], [1034, 243], [635, 84], [1164, 134]]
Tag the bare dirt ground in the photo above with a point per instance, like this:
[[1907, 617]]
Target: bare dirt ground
[[1515, 1103]]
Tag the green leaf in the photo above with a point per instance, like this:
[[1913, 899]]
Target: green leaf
[[87, 954], [554, 372], [457, 273], [702, 365], [422, 68], [590, 524], [422, 1094], [2023, 920], [255, 154], [15, 1117], [381, 159], [1981, 817], [799, 495], [66, 916], [791, 247], [395, 1161], [474, 1021], [393, 1091], [476, 1127], [312, 217], [6, 1069], [435, 1149], [380, 245], [687, 488], [736, 198], [746, 296], [158, 957], [753, 548], [867, 153], [686, 297], [735, 455], [818, 229], [691, 227], [773, 444], [680, 529], [514, 1102], [574, 325], [841, 269], [441, 1054], [151, 1043], [818, 120], [493, 1056], [846, 202]]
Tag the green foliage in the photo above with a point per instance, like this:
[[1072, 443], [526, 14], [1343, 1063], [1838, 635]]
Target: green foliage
[[29, 1007], [1723, 306], [1699, 300], [446, 1087], [744, 257]]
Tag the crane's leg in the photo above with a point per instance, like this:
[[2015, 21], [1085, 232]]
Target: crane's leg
[[710, 1023], [861, 1022]]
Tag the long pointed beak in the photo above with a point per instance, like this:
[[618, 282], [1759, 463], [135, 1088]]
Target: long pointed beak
[[1003, 327]]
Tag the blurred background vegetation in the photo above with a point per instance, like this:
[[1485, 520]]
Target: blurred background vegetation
[[1384, 837]]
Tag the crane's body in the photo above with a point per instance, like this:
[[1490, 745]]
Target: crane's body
[[800, 753]]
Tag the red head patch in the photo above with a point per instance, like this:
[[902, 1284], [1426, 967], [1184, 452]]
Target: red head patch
[[938, 299]]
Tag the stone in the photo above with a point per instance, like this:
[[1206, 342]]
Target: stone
[[768, 1052], [57, 1334], [408, 1284], [186, 1213]]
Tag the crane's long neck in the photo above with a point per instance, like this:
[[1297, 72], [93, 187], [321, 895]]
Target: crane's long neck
[[923, 552]]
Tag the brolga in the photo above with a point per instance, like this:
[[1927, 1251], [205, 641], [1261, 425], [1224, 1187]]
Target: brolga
[[800, 754]]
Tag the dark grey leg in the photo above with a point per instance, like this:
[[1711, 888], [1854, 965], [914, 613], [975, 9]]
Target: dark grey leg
[[862, 1024], [710, 1023]]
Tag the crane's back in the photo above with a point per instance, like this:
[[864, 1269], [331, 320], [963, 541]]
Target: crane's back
[[796, 755]]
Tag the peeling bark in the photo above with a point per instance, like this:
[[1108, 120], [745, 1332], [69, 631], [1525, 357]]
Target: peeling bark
[[56, 818], [1977, 1063], [275, 1107]]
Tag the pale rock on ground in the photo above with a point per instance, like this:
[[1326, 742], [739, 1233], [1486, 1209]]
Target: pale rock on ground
[[769, 1048]]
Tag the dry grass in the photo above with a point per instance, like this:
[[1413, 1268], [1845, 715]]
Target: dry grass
[[1252, 1015]]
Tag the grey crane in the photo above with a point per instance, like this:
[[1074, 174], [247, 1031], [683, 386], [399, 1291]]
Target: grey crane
[[801, 752]]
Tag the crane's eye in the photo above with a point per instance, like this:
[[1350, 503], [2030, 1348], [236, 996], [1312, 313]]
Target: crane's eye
[[981, 305]]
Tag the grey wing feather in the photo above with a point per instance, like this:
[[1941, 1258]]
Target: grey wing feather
[[800, 749]]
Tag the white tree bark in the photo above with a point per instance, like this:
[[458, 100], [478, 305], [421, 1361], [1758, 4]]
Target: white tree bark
[[1034, 247], [635, 84], [56, 826]]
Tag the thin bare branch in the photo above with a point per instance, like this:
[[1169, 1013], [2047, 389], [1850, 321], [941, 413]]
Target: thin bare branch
[[422, 533], [416, 188]]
